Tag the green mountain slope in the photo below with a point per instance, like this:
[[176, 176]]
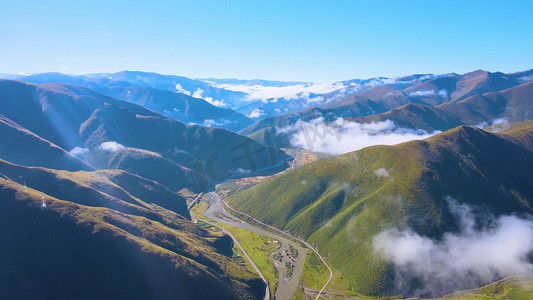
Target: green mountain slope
[[480, 82], [146, 164], [339, 204], [512, 288], [96, 238], [513, 104]]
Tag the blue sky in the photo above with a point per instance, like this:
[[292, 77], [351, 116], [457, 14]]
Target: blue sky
[[316, 41]]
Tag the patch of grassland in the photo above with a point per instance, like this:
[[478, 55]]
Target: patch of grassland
[[259, 248], [315, 274], [510, 288]]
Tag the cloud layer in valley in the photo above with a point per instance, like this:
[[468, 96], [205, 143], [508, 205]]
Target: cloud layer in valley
[[342, 137], [466, 259], [259, 92]]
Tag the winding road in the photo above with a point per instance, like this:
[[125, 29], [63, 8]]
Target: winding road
[[236, 242], [286, 287], [293, 237], [194, 201]]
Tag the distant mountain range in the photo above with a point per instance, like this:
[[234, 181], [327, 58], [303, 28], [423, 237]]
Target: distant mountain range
[[262, 98], [159, 93], [476, 98], [255, 82]]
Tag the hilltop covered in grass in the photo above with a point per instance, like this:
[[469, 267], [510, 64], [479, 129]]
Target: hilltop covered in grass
[[340, 204], [108, 234]]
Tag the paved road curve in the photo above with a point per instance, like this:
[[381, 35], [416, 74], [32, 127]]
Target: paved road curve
[[286, 288], [236, 242], [194, 201], [298, 239]]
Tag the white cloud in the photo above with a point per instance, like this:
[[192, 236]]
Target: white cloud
[[297, 91], [217, 103], [256, 113], [382, 172], [213, 123], [199, 94], [500, 125], [499, 121], [111, 146], [443, 93], [422, 93], [180, 89], [497, 125], [526, 78], [241, 171], [460, 260], [79, 151], [342, 137]]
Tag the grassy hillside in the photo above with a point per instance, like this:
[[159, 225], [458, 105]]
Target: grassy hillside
[[147, 164], [55, 111], [339, 204], [512, 288], [512, 104], [96, 238], [479, 82], [114, 189]]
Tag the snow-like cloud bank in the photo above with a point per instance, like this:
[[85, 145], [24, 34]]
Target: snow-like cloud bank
[[256, 113], [111, 146], [466, 259], [297, 91], [342, 137], [313, 92]]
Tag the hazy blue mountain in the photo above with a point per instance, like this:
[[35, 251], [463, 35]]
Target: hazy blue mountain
[[178, 84], [101, 129], [252, 82], [176, 105]]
